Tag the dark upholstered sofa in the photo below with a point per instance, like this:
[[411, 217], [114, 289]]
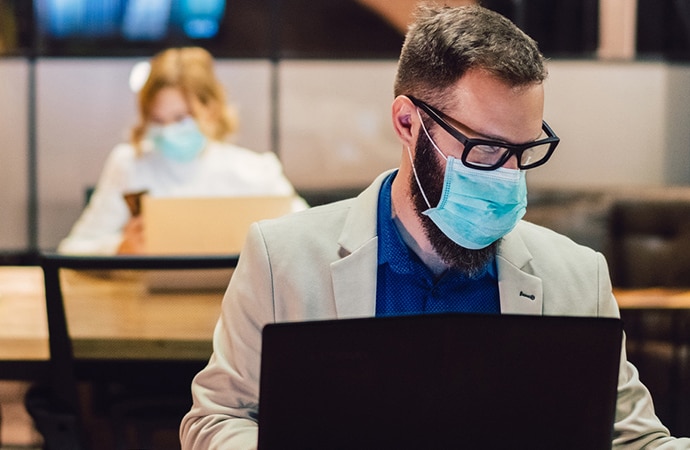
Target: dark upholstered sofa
[[644, 233]]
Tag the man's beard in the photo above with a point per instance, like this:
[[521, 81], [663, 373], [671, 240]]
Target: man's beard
[[469, 262]]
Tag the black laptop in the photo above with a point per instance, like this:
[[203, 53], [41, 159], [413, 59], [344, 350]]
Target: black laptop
[[449, 381]]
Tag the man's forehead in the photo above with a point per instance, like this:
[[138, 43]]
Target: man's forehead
[[490, 108]]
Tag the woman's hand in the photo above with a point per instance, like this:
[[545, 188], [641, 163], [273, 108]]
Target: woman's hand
[[133, 237]]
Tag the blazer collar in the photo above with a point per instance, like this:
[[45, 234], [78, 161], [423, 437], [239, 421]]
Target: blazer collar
[[354, 275]]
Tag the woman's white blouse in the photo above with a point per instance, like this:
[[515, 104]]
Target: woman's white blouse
[[221, 170]]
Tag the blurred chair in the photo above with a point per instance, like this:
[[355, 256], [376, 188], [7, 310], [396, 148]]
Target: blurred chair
[[135, 392], [650, 243]]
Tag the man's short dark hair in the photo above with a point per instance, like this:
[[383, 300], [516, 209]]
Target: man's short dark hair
[[443, 43]]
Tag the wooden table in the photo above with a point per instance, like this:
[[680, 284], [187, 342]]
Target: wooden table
[[118, 317], [23, 321], [653, 298], [110, 317]]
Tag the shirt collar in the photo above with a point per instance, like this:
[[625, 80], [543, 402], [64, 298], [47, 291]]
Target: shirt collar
[[392, 249]]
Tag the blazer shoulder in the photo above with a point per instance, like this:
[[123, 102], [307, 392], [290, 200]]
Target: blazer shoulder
[[318, 223], [541, 237]]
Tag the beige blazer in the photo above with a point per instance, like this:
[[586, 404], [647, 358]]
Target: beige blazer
[[322, 264]]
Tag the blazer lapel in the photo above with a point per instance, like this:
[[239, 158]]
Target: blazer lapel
[[520, 292], [354, 275]]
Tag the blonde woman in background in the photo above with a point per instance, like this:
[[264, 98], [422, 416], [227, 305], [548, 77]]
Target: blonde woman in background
[[177, 149]]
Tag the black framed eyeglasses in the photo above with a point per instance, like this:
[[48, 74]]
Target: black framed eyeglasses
[[484, 154]]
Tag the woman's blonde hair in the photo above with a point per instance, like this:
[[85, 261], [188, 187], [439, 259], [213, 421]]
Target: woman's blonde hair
[[189, 69]]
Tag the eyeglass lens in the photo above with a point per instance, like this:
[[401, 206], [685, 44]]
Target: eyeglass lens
[[486, 155]]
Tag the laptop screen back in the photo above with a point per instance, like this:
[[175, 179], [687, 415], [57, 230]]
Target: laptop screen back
[[440, 382], [205, 225]]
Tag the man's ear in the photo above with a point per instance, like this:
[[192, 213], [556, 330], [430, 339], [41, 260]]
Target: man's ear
[[404, 117]]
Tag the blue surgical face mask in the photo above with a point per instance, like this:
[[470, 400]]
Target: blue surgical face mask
[[180, 141], [476, 207]]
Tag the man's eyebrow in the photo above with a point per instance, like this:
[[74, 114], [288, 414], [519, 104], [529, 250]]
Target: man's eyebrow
[[479, 135], [476, 134]]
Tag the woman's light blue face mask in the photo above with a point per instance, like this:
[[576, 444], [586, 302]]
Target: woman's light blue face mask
[[180, 141], [477, 207]]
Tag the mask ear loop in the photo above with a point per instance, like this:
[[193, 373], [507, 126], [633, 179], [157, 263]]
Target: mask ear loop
[[445, 158], [414, 170]]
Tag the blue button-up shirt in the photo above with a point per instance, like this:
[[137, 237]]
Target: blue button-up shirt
[[406, 286]]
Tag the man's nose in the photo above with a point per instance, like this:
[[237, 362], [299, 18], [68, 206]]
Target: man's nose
[[512, 163]]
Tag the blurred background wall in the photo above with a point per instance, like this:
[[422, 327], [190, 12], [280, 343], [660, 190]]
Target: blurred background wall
[[313, 82]]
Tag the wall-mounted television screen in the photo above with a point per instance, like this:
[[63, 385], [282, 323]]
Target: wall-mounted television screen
[[142, 27], [132, 20]]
